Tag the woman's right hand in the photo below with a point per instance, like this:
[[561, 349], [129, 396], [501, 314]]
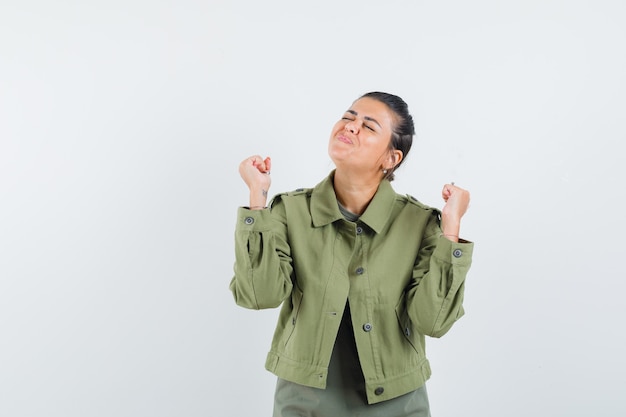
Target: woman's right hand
[[255, 172]]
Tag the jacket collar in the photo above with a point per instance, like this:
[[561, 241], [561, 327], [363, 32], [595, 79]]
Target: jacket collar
[[325, 210]]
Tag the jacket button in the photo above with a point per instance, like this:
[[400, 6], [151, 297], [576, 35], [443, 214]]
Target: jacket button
[[379, 390], [359, 271], [407, 332], [359, 230], [367, 327], [249, 220], [457, 253]]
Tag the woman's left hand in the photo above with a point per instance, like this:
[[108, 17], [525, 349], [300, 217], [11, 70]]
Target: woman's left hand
[[457, 201]]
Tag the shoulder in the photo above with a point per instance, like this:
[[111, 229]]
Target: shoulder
[[421, 207], [298, 193], [409, 198]]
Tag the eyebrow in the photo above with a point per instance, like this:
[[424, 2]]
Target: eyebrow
[[365, 117]]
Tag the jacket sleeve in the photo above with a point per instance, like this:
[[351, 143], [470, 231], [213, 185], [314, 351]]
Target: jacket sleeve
[[263, 266], [435, 294]]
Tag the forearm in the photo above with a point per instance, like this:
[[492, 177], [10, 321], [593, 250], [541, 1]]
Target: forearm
[[262, 277], [262, 267], [436, 299]]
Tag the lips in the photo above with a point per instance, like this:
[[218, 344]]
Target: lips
[[344, 139]]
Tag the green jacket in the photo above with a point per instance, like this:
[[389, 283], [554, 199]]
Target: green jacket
[[402, 279]]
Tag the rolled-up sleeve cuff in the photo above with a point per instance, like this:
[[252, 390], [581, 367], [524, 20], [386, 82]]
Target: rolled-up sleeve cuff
[[252, 220], [452, 252]]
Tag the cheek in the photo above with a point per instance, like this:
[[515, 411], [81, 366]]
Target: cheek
[[338, 127]]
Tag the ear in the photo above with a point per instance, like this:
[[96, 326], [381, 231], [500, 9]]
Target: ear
[[395, 156]]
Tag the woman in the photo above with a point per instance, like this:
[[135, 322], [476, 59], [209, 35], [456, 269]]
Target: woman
[[363, 273]]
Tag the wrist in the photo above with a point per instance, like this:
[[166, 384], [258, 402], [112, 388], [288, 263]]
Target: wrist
[[450, 228], [258, 206], [258, 198], [452, 238]]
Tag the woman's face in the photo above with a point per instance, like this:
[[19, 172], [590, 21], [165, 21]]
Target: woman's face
[[360, 139]]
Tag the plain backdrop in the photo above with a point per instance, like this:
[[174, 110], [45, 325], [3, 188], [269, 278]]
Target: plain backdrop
[[122, 124]]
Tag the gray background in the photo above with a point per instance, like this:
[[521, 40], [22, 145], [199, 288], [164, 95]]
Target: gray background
[[122, 124]]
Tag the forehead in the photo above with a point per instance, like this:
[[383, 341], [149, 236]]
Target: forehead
[[372, 108]]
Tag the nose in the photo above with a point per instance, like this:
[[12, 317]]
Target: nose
[[352, 127]]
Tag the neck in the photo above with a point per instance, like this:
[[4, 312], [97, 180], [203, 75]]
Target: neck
[[355, 192]]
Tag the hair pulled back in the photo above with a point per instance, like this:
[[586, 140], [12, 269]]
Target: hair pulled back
[[403, 128]]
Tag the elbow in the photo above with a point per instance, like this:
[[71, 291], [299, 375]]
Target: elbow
[[265, 304], [437, 333], [272, 298], [434, 331], [248, 296], [441, 327], [253, 302], [437, 325], [244, 299]]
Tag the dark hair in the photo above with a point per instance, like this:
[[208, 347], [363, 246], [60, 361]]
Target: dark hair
[[403, 128]]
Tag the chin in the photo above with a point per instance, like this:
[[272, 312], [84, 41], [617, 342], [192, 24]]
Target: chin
[[336, 155]]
